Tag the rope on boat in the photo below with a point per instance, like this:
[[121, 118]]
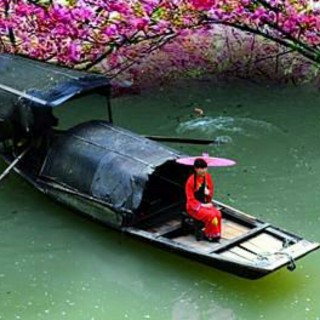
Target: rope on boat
[[290, 266]]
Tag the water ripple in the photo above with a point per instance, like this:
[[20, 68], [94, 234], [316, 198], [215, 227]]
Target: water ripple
[[228, 125]]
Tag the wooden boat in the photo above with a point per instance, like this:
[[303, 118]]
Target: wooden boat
[[125, 180]]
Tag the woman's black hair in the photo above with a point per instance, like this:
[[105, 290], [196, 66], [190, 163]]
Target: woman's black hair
[[200, 163]]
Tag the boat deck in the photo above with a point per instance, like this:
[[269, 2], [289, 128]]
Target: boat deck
[[244, 240]]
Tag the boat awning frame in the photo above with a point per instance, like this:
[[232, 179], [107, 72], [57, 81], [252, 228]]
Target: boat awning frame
[[29, 89], [44, 84]]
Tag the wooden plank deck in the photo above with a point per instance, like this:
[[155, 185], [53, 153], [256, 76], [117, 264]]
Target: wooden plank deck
[[244, 254], [165, 227], [263, 243], [235, 256], [237, 241], [204, 246], [231, 229], [241, 238]]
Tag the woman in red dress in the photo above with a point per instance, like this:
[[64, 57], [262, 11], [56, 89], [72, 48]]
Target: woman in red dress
[[199, 192]]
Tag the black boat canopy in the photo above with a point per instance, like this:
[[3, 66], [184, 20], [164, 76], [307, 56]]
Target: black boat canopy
[[110, 164], [26, 83]]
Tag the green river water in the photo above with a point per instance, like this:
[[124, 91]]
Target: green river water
[[58, 265]]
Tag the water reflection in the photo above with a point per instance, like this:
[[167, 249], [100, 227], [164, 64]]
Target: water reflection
[[187, 309]]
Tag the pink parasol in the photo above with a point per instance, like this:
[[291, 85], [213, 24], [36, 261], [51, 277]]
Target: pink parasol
[[211, 161]]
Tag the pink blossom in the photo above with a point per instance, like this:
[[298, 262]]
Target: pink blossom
[[76, 33]]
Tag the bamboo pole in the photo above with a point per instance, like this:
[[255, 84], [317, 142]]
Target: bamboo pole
[[14, 163]]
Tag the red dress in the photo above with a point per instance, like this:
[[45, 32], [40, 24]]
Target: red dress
[[210, 216]]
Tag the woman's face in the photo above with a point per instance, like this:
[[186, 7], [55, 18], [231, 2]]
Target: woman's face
[[201, 171]]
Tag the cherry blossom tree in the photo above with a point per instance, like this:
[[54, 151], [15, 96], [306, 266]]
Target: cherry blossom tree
[[116, 34]]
